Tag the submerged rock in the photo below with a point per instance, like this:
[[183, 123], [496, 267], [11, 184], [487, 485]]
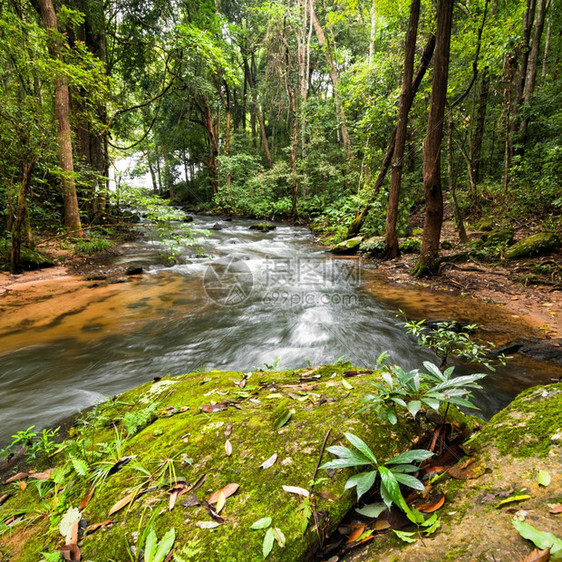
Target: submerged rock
[[134, 270], [537, 348], [535, 245], [263, 227]]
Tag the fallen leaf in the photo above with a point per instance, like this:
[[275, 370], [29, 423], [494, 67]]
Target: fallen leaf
[[513, 499], [297, 490], [381, 525], [346, 385], [129, 498], [16, 477], [469, 472], [356, 533], [199, 482], [207, 524], [555, 509], [262, 523], [120, 464], [430, 507], [543, 478], [191, 501], [211, 408], [228, 490], [537, 556], [283, 418], [70, 552], [269, 462], [45, 475], [279, 537], [228, 431], [68, 525], [228, 448], [4, 497], [89, 495], [23, 485], [325, 495], [220, 502], [95, 526]]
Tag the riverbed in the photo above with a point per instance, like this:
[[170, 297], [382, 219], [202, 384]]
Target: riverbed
[[236, 299]]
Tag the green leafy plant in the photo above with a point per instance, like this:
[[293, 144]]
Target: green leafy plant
[[156, 550], [392, 472], [411, 390], [541, 539], [425, 526], [272, 534], [92, 246], [23, 438], [449, 339]]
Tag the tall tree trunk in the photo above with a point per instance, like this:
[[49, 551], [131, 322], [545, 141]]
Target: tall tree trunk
[[259, 114], [333, 77], [359, 219], [429, 256], [452, 179], [391, 239], [373, 33], [533, 62], [62, 116], [478, 136], [546, 49]]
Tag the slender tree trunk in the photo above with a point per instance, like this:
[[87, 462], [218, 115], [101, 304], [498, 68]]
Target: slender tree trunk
[[333, 77], [62, 116], [359, 219], [429, 256], [478, 137], [533, 62], [391, 239], [373, 33], [546, 49], [452, 179]]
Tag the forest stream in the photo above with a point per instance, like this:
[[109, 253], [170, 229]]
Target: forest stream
[[238, 299]]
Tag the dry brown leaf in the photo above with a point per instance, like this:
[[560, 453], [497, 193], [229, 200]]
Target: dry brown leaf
[[89, 495], [23, 485], [228, 490], [123, 502], [95, 526], [430, 507], [228, 431], [45, 475], [537, 556], [381, 525], [555, 509], [72, 535], [173, 497], [16, 477], [356, 533], [228, 448], [269, 462], [211, 408], [328, 496], [191, 501], [472, 470], [297, 490], [70, 552]]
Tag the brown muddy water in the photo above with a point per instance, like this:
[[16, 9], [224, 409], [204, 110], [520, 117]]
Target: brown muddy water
[[237, 299]]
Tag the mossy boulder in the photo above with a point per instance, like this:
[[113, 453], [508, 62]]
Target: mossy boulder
[[199, 433], [348, 247], [502, 237], [29, 259], [535, 245]]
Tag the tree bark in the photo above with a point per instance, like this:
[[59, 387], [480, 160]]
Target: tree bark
[[429, 256], [62, 116], [360, 217], [478, 136], [391, 239]]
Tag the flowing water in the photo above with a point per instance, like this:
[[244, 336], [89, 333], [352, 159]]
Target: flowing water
[[239, 299]]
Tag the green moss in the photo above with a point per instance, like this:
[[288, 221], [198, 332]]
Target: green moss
[[525, 427], [535, 245]]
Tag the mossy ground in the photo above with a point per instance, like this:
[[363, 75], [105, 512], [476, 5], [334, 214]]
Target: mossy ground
[[187, 446]]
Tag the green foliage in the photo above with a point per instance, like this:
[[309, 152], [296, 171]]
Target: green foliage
[[392, 473], [449, 339], [137, 420], [541, 539], [156, 550], [410, 390], [92, 246]]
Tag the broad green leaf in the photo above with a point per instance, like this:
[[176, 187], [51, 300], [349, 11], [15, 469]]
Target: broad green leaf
[[432, 528], [364, 482], [372, 510], [268, 541], [361, 446], [543, 478], [404, 468], [391, 415], [262, 523], [390, 490], [432, 403], [434, 370], [283, 419], [280, 537], [415, 455], [165, 545], [150, 545], [345, 384], [414, 407], [541, 539], [416, 516], [405, 536], [409, 481]]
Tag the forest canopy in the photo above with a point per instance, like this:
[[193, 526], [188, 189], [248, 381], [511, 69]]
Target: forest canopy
[[283, 109]]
